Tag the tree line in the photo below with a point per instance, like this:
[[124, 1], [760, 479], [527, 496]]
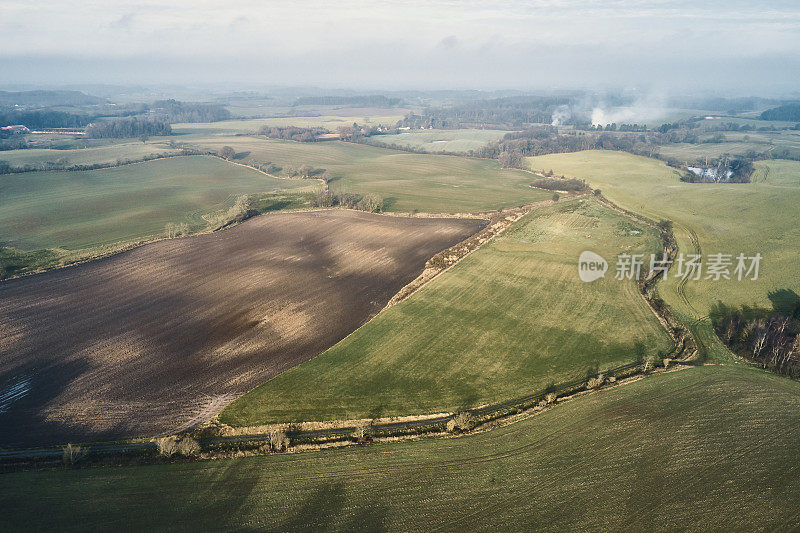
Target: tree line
[[374, 100], [132, 120], [38, 119], [292, 133], [128, 127], [63, 164], [175, 111], [786, 112], [512, 112], [770, 338], [371, 203]]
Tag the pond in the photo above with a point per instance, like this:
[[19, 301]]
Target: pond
[[711, 173]]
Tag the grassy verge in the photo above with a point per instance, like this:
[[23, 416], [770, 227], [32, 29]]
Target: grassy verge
[[708, 448], [510, 318]]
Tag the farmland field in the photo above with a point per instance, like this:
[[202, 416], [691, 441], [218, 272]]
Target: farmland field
[[133, 150], [139, 343], [405, 181], [97, 207], [507, 320], [443, 140], [723, 218], [707, 448], [265, 108], [387, 117], [784, 143]]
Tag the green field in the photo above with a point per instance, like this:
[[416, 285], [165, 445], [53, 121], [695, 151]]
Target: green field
[[75, 210], [130, 151], [507, 320], [442, 140], [387, 117], [722, 218], [707, 448], [406, 182], [784, 143]]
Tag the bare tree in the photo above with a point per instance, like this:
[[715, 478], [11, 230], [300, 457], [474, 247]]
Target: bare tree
[[167, 446], [305, 171], [227, 152], [278, 440], [73, 454], [188, 447]]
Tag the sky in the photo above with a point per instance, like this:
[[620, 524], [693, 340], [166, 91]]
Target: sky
[[726, 47]]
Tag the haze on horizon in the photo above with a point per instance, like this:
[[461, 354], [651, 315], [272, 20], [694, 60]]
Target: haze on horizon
[[730, 47]]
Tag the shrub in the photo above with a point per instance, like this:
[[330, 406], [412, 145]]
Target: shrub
[[551, 397], [362, 432], [167, 446], [460, 422], [648, 364], [278, 440], [187, 447], [560, 184], [73, 454], [176, 230], [596, 382]]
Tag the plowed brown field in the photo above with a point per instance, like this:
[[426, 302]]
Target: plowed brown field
[[151, 340]]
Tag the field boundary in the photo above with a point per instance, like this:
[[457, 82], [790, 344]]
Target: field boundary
[[217, 446]]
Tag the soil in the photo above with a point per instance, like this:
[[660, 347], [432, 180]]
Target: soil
[[149, 341]]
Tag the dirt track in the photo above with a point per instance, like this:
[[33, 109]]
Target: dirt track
[[147, 341]]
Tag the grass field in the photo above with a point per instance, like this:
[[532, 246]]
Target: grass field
[[443, 140], [132, 150], [784, 143], [76, 210], [714, 218], [708, 448], [406, 182], [267, 109], [387, 117], [506, 321]]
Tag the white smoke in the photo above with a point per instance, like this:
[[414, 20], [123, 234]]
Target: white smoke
[[644, 110], [561, 114]]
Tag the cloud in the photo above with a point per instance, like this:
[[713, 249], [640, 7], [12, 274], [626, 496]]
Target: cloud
[[470, 43], [124, 22], [448, 43]]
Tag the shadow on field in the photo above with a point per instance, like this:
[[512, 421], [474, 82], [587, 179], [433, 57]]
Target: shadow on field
[[323, 511], [150, 340], [24, 416]]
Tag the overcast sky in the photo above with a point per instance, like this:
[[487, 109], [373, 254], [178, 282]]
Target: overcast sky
[[732, 46]]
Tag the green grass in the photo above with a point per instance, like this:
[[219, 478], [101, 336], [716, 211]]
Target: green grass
[[708, 448], [784, 143], [727, 218], [387, 117], [77, 210], [132, 150], [442, 140], [507, 320], [422, 182]]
